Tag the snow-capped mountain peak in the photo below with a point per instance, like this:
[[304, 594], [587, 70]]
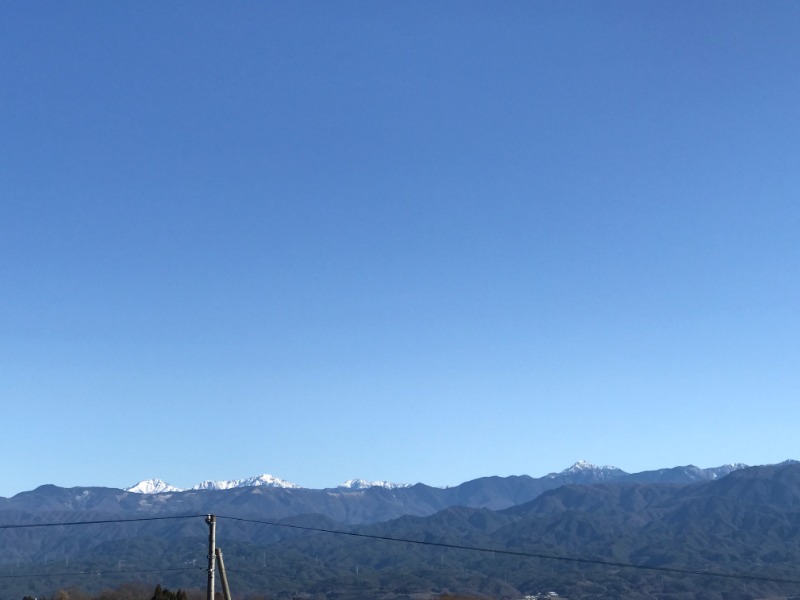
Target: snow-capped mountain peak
[[157, 486], [152, 486], [259, 480], [584, 468], [717, 472], [581, 465], [363, 484]]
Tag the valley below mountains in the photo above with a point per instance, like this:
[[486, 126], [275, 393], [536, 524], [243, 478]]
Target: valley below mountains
[[587, 532]]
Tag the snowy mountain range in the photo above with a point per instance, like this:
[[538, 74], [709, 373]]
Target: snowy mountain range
[[158, 486], [363, 484], [580, 472], [265, 480], [152, 486], [584, 508], [583, 467]]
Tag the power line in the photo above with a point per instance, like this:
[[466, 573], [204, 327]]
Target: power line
[[520, 554], [503, 552], [97, 572], [98, 522], [85, 573]]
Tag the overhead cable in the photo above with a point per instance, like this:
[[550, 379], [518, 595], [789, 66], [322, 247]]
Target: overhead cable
[[98, 522], [520, 554]]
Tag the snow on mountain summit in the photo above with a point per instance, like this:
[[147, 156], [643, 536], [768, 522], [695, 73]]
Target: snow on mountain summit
[[152, 486], [584, 468], [580, 472], [583, 465], [363, 484], [717, 472], [265, 480], [157, 486]]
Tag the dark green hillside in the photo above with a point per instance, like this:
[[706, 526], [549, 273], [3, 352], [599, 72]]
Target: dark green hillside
[[747, 523], [725, 527]]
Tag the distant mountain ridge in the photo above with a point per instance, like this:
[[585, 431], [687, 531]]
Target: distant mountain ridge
[[152, 486], [363, 484], [357, 503], [724, 519], [583, 466], [158, 486], [580, 472]]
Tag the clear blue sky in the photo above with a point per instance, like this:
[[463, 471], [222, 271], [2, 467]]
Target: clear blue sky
[[414, 241]]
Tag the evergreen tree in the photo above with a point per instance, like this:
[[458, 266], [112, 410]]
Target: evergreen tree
[[164, 594]]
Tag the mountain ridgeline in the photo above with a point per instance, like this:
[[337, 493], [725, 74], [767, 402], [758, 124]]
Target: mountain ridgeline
[[351, 504], [572, 532]]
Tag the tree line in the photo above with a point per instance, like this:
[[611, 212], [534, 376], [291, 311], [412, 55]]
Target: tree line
[[128, 591]]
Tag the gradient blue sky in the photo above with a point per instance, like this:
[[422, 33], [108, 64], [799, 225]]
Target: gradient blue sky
[[414, 241]]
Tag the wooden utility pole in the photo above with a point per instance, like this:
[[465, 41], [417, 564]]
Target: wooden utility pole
[[212, 534], [223, 576]]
